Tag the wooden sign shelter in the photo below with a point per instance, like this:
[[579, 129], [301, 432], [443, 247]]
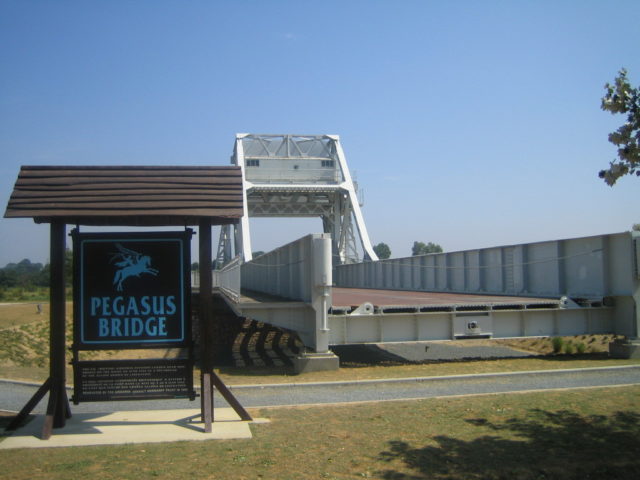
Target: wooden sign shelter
[[143, 196]]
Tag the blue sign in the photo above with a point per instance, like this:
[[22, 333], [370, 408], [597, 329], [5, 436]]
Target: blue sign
[[131, 290]]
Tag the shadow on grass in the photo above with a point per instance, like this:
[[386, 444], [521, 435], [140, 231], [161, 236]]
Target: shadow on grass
[[563, 357], [366, 355], [542, 446]]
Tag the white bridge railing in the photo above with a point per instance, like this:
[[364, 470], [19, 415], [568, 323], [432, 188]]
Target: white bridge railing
[[287, 272], [599, 268], [298, 277], [227, 279], [589, 267]]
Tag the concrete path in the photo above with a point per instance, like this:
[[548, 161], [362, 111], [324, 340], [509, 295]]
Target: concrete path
[[139, 426]]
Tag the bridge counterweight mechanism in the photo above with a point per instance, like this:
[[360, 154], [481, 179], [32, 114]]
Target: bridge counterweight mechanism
[[297, 176]]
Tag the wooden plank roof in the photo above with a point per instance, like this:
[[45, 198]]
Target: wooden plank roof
[[127, 195]]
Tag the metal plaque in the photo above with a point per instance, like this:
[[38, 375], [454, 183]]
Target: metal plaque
[[106, 380]]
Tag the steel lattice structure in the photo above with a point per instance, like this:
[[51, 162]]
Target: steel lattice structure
[[297, 176]]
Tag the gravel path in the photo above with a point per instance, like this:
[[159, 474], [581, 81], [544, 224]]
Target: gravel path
[[13, 396]]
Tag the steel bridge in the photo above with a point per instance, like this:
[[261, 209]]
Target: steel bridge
[[297, 176], [319, 287]]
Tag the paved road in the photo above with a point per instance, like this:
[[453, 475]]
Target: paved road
[[13, 396]]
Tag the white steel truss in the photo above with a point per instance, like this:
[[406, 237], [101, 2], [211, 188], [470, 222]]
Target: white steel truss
[[297, 176]]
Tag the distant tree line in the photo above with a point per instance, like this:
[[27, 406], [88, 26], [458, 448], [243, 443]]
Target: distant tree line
[[419, 248], [24, 274], [27, 275]]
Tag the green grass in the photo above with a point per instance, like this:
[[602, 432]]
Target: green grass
[[20, 294], [577, 434], [30, 294]]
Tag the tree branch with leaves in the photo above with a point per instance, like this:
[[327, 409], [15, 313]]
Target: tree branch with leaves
[[622, 98]]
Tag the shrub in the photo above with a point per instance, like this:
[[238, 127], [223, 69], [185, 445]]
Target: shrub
[[569, 348], [557, 343], [581, 348]]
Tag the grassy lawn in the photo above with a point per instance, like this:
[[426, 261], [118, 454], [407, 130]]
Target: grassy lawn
[[575, 434]]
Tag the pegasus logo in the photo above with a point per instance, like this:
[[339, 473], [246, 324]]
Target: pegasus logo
[[130, 263]]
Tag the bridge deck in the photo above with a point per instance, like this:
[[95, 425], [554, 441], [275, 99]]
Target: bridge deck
[[349, 298]]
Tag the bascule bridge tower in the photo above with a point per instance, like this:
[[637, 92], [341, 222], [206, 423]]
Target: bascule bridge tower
[[297, 176]]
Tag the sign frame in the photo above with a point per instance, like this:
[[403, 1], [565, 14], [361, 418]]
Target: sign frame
[[138, 287]]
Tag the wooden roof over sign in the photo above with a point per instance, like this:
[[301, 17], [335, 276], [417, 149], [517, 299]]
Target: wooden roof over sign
[[127, 195]]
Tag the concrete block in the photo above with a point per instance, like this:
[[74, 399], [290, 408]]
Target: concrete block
[[315, 362], [628, 349]]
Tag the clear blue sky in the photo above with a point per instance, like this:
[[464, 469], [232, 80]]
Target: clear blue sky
[[469, 123]]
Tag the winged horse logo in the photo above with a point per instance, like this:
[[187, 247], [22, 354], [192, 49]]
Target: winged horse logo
[[130, 263]]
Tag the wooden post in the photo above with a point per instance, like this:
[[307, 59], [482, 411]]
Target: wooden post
[[58, 407], [230, 398], [206, 322]]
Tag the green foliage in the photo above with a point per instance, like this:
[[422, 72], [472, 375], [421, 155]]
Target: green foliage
[[624, 99], [68, 268], [569, 348], [420, 248], [382, 250], [581, 348], [31, 294], [30, 277], [22, 274], [557, 343]]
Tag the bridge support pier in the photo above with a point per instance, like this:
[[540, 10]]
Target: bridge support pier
[[315, 362]]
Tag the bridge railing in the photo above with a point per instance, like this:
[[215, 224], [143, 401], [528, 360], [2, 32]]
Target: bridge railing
[[227, 279], [286, 272], [580, 267], [600, 268], [297, 272]]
